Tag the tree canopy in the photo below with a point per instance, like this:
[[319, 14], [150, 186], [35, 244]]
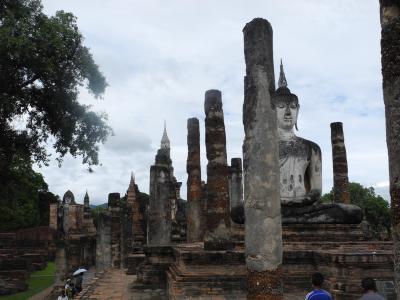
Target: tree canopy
[[24, 197], [43, 63], [375, 208]]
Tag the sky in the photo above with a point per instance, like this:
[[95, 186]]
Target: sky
[[159, 58]]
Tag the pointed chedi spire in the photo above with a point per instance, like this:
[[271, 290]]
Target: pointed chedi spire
[[86, 199], [282, 78], [165, 144], [132, 176], [132, 182]]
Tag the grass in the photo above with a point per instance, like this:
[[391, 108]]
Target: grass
[[37, 282]]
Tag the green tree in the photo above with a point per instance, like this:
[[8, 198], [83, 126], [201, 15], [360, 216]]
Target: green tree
[[19, 197], [375, 208], [43, 63]]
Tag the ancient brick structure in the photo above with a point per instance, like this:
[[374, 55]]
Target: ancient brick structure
[[195, 222], [336, 245], [390, 49], [236, 190], [339, 158], [218, 221], [76, 234], [162, 201], [136, 230], [263, 226], [103, 242], [21, 253], [114, 208]]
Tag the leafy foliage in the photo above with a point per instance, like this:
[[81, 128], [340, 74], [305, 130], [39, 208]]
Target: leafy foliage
[[375, 208], [43, 63], [20, 195]]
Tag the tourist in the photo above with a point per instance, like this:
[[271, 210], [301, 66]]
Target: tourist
[[63, 296], [69, 289], [369, 287], [317, 279], [78, 282]]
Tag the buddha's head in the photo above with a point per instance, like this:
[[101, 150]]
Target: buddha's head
[[286, 104]]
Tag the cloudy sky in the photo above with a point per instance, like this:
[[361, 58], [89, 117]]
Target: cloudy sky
[[159, 57]]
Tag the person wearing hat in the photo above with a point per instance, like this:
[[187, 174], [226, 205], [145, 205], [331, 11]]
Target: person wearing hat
[[68, 289]]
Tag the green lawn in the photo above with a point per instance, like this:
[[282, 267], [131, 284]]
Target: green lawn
[[37, 282]]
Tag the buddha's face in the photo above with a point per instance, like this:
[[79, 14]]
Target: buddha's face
[[287, 114]]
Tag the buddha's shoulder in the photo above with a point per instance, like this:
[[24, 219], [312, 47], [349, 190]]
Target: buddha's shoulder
[[308, 144]]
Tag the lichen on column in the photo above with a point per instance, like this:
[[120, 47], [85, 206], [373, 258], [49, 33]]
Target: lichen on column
[[263, 226], [218, 231]]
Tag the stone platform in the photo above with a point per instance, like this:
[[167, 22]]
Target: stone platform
[[340, 252]]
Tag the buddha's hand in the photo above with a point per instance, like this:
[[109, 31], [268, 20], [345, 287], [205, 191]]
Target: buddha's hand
[[313, 196]]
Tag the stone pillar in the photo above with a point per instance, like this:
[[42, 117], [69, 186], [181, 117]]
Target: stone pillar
[[236, 190], [263, 226], [114, 208], [103, 242], [159, 213], [61, 264], [53, 210], [218, 220], [194, 216], [139, 232], [390, 49], [339, 158]]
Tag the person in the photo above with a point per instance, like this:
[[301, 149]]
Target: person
[[68, 289], [78, 282], [63, 296], [317, 279], [370, 292]]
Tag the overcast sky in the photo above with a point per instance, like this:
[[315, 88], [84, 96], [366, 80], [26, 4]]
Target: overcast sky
[[159, 57]]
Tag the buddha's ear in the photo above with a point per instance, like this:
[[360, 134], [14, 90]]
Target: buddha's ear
[[295, 126]]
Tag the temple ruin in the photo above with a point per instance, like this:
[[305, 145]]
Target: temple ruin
[[254, 229]]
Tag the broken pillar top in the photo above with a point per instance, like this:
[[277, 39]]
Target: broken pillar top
[[213, 100], [236, 163]]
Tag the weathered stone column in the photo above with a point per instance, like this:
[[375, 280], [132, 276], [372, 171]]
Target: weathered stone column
[[115, 232], [263, 226], [339, 158], [194, 216], [236, 190], [390, 49], [103, 242], [61, 264], [159, 213], [218, 220]]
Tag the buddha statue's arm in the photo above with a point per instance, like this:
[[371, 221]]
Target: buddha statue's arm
[[315, 172]]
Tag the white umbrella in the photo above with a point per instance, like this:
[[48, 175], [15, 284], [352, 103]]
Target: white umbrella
[[79, 271]]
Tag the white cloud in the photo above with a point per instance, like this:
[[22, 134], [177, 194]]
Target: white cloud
[[159, 58]]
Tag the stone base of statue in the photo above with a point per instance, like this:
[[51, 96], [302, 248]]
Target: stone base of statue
[[322, 213], [316, 213], [197, 273]]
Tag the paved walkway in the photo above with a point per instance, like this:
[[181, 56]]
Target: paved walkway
[[114, 284]]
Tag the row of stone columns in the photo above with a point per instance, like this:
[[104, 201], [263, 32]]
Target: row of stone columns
[[212, 224]]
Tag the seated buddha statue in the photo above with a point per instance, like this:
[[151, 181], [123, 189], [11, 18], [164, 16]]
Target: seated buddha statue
[[301, 169]]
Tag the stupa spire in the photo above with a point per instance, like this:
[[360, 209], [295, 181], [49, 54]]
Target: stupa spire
[[132, 176], [165, 144], [282, 78], [86, 199]]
